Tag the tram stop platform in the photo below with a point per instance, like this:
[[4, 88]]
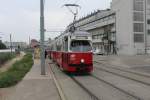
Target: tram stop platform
[[35, 86]]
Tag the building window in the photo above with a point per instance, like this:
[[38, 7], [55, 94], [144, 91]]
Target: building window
[[148, 32], [148, 2], [138, 5], [148, 21], [138, 16], [138, 27], [139, 38]]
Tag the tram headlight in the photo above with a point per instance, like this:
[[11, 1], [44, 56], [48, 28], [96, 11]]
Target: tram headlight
[[82, 60], [72, 57]]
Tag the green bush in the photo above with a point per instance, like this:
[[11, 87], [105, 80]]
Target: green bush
[[5, 57], [16, 72], [2, 45]]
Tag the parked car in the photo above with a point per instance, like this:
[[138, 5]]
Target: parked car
[[97, 52]]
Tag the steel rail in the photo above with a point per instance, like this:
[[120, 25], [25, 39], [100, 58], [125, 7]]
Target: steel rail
[[125, 70], [62, 95], [125, 76], [93, 97], [121, 90]]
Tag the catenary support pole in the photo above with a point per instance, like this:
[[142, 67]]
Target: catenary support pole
[[42, 37], [11, 43]]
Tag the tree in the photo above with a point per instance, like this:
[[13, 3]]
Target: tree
[[2, 46]]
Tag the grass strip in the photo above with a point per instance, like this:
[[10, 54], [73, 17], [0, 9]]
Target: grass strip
[[4, 57], [16, 72]]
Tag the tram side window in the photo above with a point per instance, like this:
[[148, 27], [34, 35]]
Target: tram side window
[[66, 44], [59, 46], [52, 48]]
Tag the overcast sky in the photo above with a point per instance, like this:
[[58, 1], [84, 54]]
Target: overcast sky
[[21, 17]]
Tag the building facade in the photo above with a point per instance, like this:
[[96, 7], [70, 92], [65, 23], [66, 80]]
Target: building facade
[[124, 29], [131, 22], [148, 26], [15, 45]]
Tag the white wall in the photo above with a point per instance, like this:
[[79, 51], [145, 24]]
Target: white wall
[[7, 50], [148, 25], [124, 26]]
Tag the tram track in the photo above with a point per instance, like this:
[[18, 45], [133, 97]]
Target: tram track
[[132, 75], [139, 80], [125, 92], [118, 91], [62, 94], [123, 69], [91, 93], [93, 97]]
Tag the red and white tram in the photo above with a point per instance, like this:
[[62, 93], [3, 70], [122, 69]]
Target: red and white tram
[[73, 51]]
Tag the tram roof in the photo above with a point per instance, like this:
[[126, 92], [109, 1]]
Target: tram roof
[[72, 33], [75, 33], [81, 32]]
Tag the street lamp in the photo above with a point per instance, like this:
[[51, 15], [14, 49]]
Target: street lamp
[[11, 43]]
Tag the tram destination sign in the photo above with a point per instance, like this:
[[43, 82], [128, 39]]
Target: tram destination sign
[[81, 37]]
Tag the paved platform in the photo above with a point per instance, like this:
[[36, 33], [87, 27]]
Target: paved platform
[[35, 86]]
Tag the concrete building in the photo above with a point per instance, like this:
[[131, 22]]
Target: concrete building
[[148, 26], [15, 45], [124, 29], [131, 26]]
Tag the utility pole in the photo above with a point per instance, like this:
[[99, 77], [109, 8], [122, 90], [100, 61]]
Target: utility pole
[[29, 42], [11, 43], [42, 30]]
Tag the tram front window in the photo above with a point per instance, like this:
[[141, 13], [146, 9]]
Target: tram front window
[[80, 46]]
